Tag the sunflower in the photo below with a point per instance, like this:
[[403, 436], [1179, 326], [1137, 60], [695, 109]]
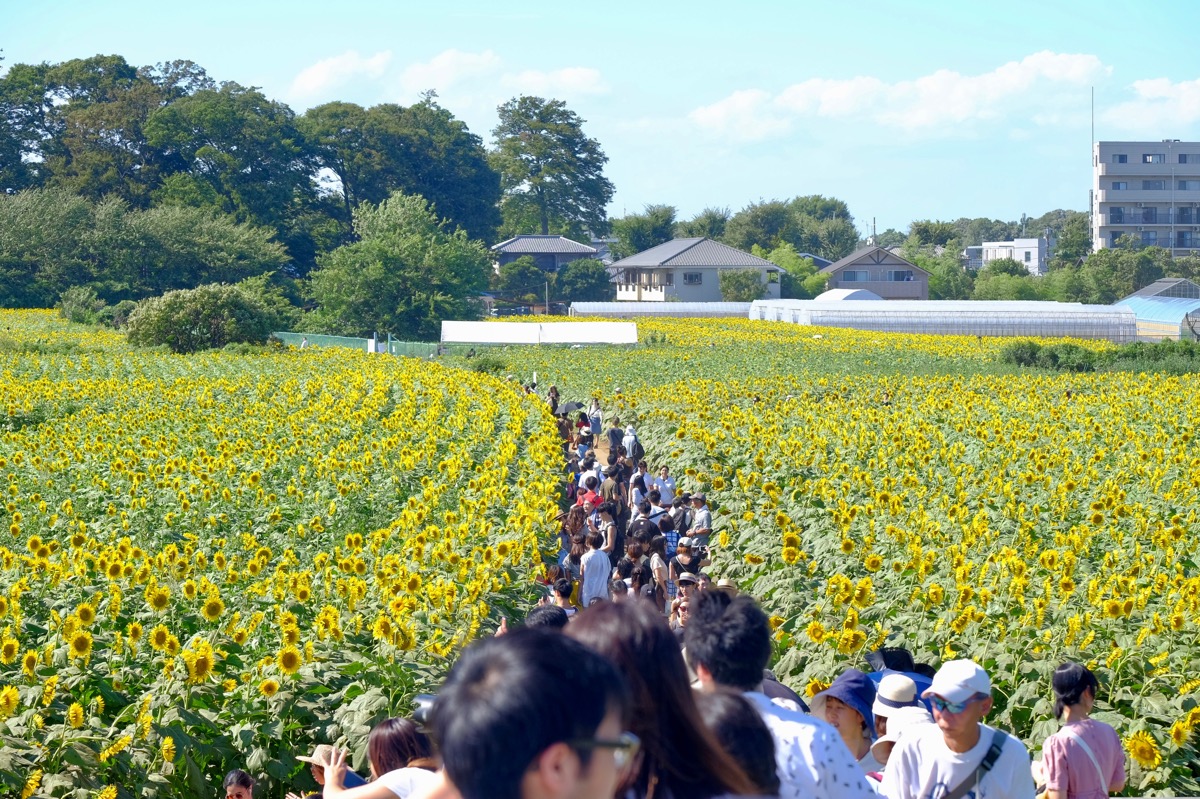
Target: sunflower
[[75, 715], [268, 687], [873, 563], [815, 687], [1143, 749], [1112, 608], [29, 663], [81, 644], [159, 637], [168, 749], [9, 648], [240, 635], [32, 784], [1180, 732], [86, 613], [790, 555], [10, 700], [134, 631], [847, 546], [118, 746], [289, 660], [159, 599], [213, 608], [172, 646], [816, 631]]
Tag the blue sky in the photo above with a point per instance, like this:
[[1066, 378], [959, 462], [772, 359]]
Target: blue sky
[[905, 110]]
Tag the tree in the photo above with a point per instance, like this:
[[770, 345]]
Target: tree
[[767, 224], [796, 270], [890, 238], [947, 278], [1005, 286], [421, 149], [709, 223], [1074, 241], [523, 280], [550, 171], [1004, 266], [742, 285], [585, 280], [820, 207], [405, 274], [638, 232], [815, 224], [930, 232], [206, 317]]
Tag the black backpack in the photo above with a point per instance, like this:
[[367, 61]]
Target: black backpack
[[636, 450]]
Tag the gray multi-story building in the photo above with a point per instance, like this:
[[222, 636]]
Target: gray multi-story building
[[1147, 190]]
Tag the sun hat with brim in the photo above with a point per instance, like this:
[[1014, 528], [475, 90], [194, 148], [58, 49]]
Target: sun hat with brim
[[895, 691], [688, 577], [958, 681], [900, 722], [321, 755], [728, 586], [855, 689]]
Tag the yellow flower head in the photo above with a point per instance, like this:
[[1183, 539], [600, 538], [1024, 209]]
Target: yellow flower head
[[268, 687], [1143, 749], [213, 608], [81, 644], [289, 660], [75, 715], [10, 700]]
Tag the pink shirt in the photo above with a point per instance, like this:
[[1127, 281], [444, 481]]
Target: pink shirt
[[1068, 767]]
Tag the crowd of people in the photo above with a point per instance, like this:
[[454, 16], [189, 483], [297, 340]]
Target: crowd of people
[[636, 677]]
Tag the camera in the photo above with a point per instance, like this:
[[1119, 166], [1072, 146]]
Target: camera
[[423, 713]]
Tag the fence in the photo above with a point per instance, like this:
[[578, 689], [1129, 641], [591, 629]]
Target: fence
[[390, 346]]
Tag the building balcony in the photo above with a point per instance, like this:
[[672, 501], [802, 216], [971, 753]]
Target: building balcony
[[1163, 197], [1140, 170], [636, 293], [888, 289]]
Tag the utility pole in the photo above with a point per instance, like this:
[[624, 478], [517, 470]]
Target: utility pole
[[547, 298]]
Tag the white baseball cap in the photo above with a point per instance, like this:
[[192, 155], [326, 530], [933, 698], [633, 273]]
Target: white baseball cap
[[958, 681]]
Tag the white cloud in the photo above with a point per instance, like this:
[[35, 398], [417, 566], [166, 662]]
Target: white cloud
[[570, 81], [333, 72], [448, 68], [1158, 106], [746, 115], [935, 101]]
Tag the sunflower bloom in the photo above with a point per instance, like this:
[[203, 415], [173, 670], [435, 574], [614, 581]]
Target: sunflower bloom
[[1143, 749]]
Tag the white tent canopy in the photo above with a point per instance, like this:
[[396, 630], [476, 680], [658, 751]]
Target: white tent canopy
[[539, 333]]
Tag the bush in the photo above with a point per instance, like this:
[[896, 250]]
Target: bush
[[1021, 353], [81, 305], [208, 317], [488, 365], [1072, 357]]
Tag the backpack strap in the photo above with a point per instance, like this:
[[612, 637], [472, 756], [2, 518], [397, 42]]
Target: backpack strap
[[989, 760], [1075, 736]]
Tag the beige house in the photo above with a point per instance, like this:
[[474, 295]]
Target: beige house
[[880, 271]]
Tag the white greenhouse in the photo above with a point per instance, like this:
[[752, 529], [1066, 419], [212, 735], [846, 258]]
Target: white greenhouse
[[960, 318], [676, 310]]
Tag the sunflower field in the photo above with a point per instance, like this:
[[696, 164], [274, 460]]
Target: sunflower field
[[219, 560], [904, 490]]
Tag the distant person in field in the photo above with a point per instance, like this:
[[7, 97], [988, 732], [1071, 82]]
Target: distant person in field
[[665, 484], [594, 571], [1084, 759], [701, 520]]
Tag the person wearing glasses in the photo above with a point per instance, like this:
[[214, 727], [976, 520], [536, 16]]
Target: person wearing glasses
[[497, 739], [959, 757]]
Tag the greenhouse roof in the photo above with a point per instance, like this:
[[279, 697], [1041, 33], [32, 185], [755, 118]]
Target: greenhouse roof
[[660, 308], [1170, 287], [960, 307], [841, 295], [1171, 310]]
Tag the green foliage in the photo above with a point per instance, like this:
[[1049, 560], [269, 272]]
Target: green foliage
[[281, 313], [405, 275], [488, 365], [948, 280], [1004, 266], [1168, 357], [207, 317], [929, 232], [796, 270], [1021, 353], [638, 232], [1006, 287], [1074, 241], [522, 279], [80, 304], [742, 285], [551, 173], [585, 280], [814, 224], [709, 223]]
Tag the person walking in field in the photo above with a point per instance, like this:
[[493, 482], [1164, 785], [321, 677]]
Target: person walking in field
[[1083, 760], [959, 757], [594, 571]]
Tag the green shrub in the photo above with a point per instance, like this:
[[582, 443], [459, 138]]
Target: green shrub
[[1021, 353], [1072, 357], [208, 317], [81, 305], [488, 364]]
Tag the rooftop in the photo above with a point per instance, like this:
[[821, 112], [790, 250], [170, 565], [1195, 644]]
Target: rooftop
[[543, 244], [694, 252]]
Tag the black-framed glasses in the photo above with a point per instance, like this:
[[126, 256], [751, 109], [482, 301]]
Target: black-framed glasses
[[946, 706], [625, 747]]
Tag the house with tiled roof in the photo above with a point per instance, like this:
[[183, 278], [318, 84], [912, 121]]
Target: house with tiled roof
[[881, 271], [687, 270], [551, 253]]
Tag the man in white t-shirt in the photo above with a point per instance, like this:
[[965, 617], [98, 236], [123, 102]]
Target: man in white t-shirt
[[931, 761], [728, 642], [665, 484]]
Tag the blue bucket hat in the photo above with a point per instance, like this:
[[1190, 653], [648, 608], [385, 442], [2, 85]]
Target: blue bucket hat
[[855, 689]]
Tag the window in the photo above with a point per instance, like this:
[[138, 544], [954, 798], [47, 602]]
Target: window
[[1120, 185], [1153, 185], [1149, 237], [772, 277], [669, 279], [855, 276], [1154, 158], [1150, 216], [1116, 216], [899, 275], [1120, 158], [1184, 158], [1113, 237], [1186, 239], [693, 278], [1028, 256], [1189, 185], [1184, 216]]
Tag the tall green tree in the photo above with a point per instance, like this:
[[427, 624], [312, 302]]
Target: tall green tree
[[638, 232], [523, 280], [585, 280], [796, 270], [766, 224], [929, 232], [1074, 241], [405, 274], [551, 173], [709, 223], [421, 149]]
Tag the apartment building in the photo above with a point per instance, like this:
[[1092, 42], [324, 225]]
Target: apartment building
[[1147, 190]]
